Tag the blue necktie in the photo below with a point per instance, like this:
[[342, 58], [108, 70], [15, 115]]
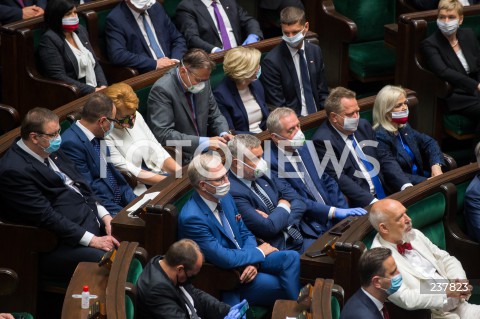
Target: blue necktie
[[312, 188], [117, 196], [151, 38], [377, 184], [226, 225], [307, 87]]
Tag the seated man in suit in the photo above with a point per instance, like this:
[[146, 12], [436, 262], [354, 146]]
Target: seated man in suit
[[165, 285], [379, 278], [421, 264], [15, 10], [271, 210], [297, 163], [472, 204], [83, 142], [39, 186], [217, 25], [211, 219], [181, 106], [140, 35], [293, 72], [348, 145]]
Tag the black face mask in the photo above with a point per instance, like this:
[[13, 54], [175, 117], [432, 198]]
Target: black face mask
[[188, 281]]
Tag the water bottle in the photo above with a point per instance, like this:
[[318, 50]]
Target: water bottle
[[85, 298]]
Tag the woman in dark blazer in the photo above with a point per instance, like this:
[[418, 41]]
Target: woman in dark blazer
[[65, 53], [453, 54], [240, 96], [409, 147]]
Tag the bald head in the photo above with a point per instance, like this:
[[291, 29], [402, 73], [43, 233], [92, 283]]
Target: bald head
[[389, 217]]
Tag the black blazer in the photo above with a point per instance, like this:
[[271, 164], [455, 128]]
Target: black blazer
[[280, 79], [360, 306], [197, 26], [56, 60], [11, 10], [356, 188], [443, 61], [159, 298]]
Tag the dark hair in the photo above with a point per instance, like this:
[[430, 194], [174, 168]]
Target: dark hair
[[97, 105], [371, 264], [35, 120], [292, 15], [197, 59], [54, 13], [184, 252]]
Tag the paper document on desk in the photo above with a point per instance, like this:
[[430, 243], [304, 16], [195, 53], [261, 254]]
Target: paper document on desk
[[142, 201]]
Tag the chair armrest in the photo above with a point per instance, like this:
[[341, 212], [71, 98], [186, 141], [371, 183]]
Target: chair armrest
[[116, 73], [450, 163], [130, 178], [8, 281], [224, 279], [330, 19], [9, 118]]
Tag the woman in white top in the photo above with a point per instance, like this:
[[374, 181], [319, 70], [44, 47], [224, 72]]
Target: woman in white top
[[240, 96], [133, 147], [64, 51]]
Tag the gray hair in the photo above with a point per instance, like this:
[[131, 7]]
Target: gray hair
[[242, 143], [273, 120], [376, 217], [333, 102], [200, 166], [385, 102]]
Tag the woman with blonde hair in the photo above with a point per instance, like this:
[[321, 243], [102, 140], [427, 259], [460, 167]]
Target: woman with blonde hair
[[240, 96], [133, 147], [409, 147]]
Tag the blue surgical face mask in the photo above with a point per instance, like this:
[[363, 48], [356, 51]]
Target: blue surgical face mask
[[259, 72], [54, 145], [106, 133], [395, 284], [448, 28], [295, 40]]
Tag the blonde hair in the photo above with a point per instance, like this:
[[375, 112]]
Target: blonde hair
[[385, 102], [451, 5], [122, 96], [241, 63]]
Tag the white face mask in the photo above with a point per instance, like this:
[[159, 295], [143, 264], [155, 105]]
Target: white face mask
[[400, 117], [297, 141], [142, 4], [350, 123], [295, 40], [220, 191], [448, 28], [260, 169], [194, 89]]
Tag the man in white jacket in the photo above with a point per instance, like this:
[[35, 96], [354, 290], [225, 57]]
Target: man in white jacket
[[432, 279]]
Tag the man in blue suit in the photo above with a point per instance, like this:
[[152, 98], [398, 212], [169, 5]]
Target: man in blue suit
[[472, 204], [83, 142], [379, 277], [298, 165], [211, 219], [270, 208], [140, 35]]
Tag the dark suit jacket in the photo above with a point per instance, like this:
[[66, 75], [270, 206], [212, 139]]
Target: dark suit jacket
[[472, 209], [33, 194], [159, 298], [269, 229], [424, 148], [198, 28], [443, 61], [355, 188], [327, 186], [232, 107], [56, 60], [360, 306], [11, 10], [126, 45], [280, 79], [76, 145]]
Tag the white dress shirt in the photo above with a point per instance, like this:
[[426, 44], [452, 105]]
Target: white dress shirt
[[296, 62], [254, 113], [226, 21], [377, 302]]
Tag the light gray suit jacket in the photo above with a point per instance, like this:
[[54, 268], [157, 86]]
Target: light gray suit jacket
[[169, 116]]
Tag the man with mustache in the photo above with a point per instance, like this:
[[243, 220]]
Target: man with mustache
[[432, 278]]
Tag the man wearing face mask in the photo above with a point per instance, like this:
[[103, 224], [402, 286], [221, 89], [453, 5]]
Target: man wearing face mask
[[293, 72], [297, 164], [346, 144], [212, 220], [422, 265], [84, 143], [181, 106], [140, 35], [40, 186], [379, 278], [270, 208], [165, 290]]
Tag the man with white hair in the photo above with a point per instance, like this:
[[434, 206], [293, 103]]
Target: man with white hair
[[432, 278]]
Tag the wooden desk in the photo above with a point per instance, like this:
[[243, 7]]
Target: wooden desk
[[391, 33], [86, 273], [287, 308]]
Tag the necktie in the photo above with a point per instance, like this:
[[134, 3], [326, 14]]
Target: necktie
[[189, 304], [385, 312], [226, 225], [117, 196], [46, 162], [151, 38], [307, 87], [410, 153], [221, 27], [402, 247], [308, 180], [377, 184], [188, 96], [22, 4]]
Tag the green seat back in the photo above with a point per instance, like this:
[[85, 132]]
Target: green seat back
[[129, 308], [368, 59], [22, 315], [170, 7], [309, 133], [142, 95], [37, 34], [64, 125], [461, 189], [179, 203], [335, 308], [257, 312], [102, 20], [134, 271], [217, 75], [459, 124], [367, 115]]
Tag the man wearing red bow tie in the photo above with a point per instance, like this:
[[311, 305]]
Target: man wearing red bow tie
[[432, 279]]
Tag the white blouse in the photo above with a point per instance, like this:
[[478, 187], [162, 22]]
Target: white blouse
[[253, 110], [85, 60], [462, 59]]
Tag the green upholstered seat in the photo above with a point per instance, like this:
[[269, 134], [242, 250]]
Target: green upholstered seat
[[142, 95], [461, 189], [134, 271], [367, 115], [217, 75], [170, 7], [23, 315], [371, 59], [257, 312], [335, 308], [179, 203], [129, 308], [459, 124], [101, 20]]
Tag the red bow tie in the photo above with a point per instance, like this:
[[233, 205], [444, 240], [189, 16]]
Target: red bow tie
[[401, 247]]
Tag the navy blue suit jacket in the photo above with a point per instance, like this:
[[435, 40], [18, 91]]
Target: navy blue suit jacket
[[360, 306], [11, 10], [280, 79], [232, 107], [472, 209], [125, 42], [326, 185], [76, 145], [356, 188], [269, 229], [424, 148]]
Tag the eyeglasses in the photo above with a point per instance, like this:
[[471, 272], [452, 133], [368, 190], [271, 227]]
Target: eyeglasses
[[52, 135], [197, 79], [220, 180], [401, 104], [125, 120]]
